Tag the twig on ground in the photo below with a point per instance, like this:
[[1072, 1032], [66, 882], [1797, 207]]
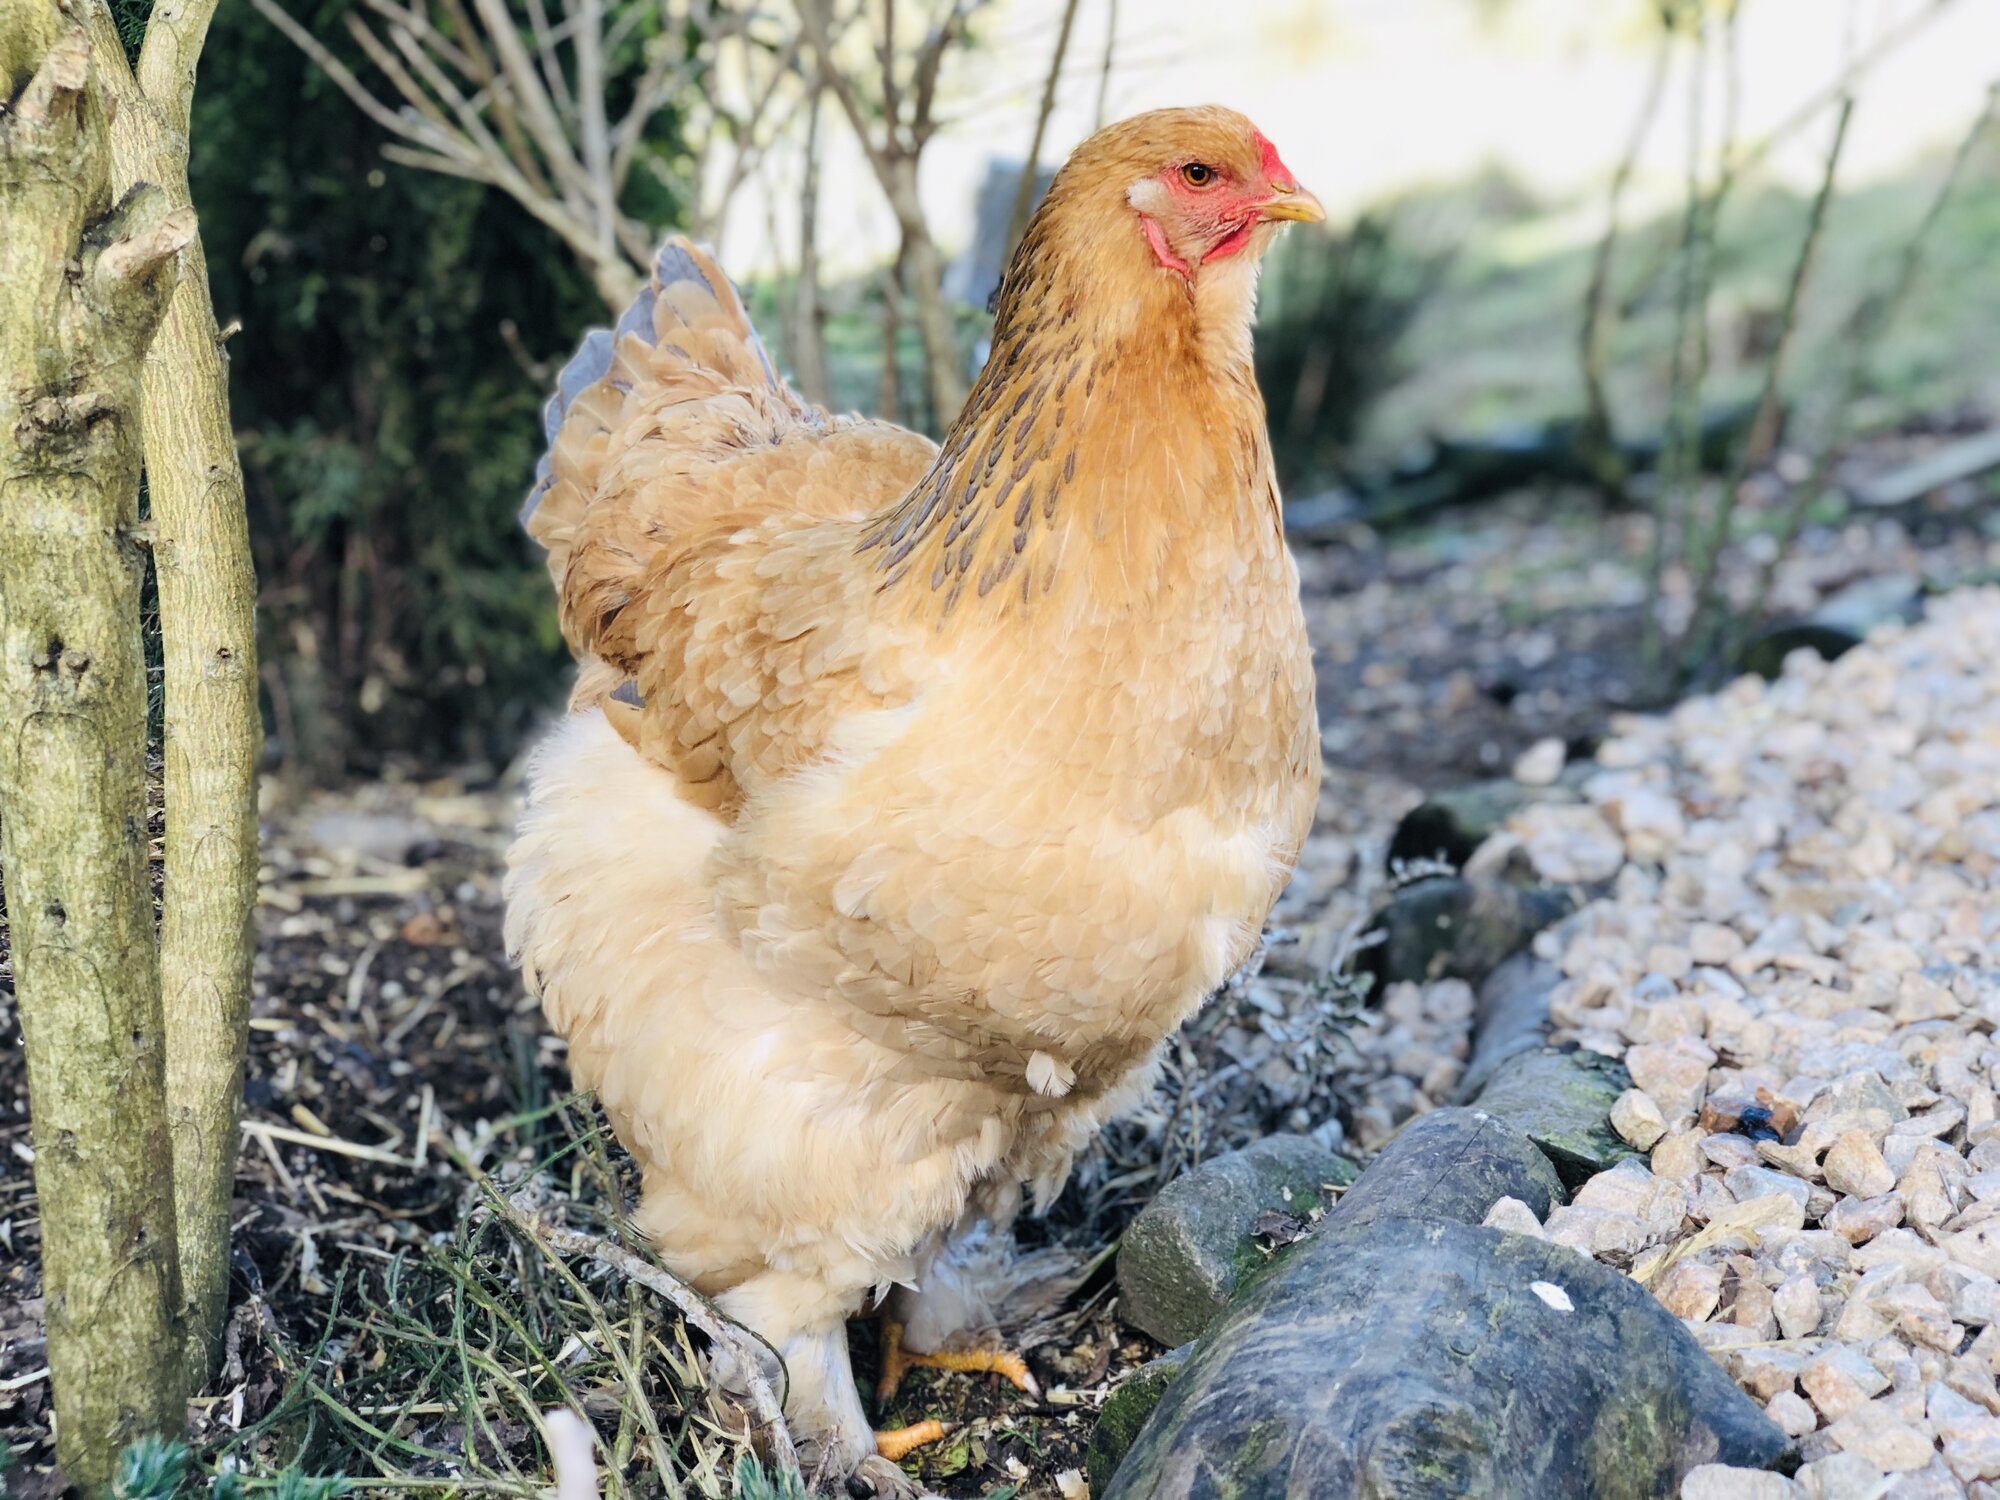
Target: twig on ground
[[691, 1305]]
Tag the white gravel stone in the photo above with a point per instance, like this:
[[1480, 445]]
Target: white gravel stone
[[1568, 843], [1638, 1120], [1841, 1379], [1842, 1476], [1854, 1168], [1875, 1432], [1674, 1073], [1513, 1216], [1720, 1482], [1541, 763], [1796, 1306]]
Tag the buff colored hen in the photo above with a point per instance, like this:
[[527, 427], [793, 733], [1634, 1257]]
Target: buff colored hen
[[910, 796]]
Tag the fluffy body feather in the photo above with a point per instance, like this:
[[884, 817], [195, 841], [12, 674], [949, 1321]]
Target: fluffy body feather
[[911, 796]]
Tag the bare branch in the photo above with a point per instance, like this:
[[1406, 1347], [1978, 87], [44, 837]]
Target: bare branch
[[596, 127], [1597, 441], [546, 37], [419, 26], [397, 75], [1024, 195], [538, 112], [930, 63], [345, 81], [1707, 557], [1110, 54]]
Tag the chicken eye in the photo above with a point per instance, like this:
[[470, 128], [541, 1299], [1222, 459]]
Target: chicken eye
[[1197, 174]]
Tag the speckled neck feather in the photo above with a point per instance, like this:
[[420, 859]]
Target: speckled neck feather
[[1096, 348]]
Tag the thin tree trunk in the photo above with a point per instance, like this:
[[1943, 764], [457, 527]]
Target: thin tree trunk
[[82, 287], [1110, 56], [1024, 195], [943, 362], [889, 395], [214, 733], [923, 279], [809, 319]]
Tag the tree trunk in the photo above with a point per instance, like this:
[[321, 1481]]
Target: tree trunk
[[889, 394], [82, 288], [809, 317], [1024, 193], [214, 733], [923, 273]]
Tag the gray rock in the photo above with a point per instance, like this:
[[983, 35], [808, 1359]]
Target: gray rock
[[1453, 927], [1399, 1358], [1450, 825], [1512, 1017], [1125, 1412], [1562, 1102], [1450, 1164], [1838, 625], [1187, 1252]]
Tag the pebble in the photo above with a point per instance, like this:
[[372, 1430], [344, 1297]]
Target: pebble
[[1841, 1379], [1797, 1307], [1567, 843], [1605, 1233], [1541, 763], [1792, 1412], [1673, 1073], [1691, 1291], [1854, 1167], [1638, 1120], [1859, 1220], [1720, 1482], [1842, 1476], [1513, 1216], [1874, 1432]]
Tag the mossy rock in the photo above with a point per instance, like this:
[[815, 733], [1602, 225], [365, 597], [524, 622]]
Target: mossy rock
[[1451, 927], [1405, 1358], [1193, 1246], [1562, 1102], [1125, 1412]]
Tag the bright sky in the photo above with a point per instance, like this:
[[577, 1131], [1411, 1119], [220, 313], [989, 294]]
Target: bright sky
[[1366, 98]]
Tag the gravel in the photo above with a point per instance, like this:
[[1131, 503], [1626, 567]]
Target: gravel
[[1798, 961]]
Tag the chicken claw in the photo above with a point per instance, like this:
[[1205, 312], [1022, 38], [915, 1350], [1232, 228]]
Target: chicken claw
[[898, 1445], [897, 1361]]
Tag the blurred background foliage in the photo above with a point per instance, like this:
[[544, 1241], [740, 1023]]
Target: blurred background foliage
[[395, 335]]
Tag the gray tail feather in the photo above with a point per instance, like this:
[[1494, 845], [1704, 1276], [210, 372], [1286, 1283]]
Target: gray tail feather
[[592, 360]]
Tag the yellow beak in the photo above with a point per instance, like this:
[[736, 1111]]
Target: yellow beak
[[1297, 205]]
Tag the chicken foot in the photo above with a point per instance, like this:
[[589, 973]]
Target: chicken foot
[[898, 1361]]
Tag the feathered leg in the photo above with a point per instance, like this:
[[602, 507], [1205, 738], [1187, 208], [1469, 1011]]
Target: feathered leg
[[973, 1281]]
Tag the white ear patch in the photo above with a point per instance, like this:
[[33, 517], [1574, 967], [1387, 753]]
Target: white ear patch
[[1149, 196]]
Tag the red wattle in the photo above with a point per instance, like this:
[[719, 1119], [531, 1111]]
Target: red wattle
[[1234, 241], [1162, 252]]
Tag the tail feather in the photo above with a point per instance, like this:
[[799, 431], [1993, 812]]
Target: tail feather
[[687, 310], [665, 427]]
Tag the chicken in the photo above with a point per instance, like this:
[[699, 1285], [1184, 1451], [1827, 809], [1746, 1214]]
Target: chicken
[[910, 796]]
